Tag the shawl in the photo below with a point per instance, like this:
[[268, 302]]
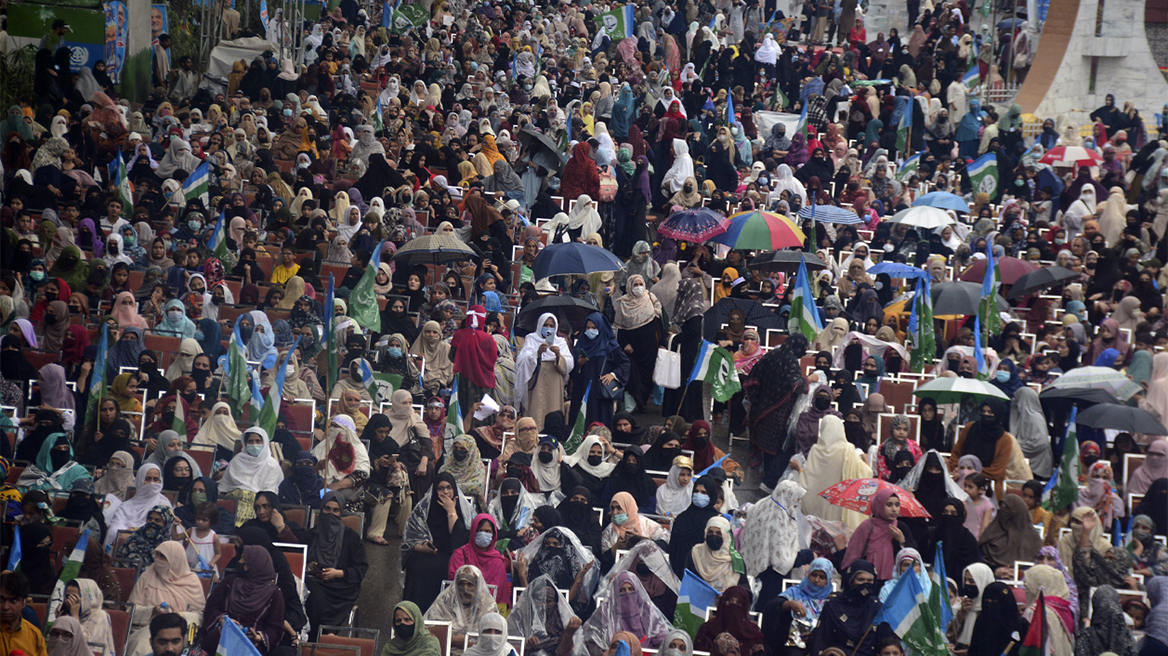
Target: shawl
[[252, 473], [580, 459], [126, 402], [634, 311], [633, 612], [1067, 544], [251, 590], [923, 576], [404, 421], [807, 427], [220, 429], [1049, 581], [474, 350], [600, 346], [488, 561], [1010, 536], [94, 620], [125, 310], [132, 513], [527, 362], [1156, 623], [169, 580], [672, 498], [732, 617], [469, 473], [1155, 467], [1028, 425], [421, 643], [116, 481], [691, 301], [435, 354], [328, 534], [872, 540], [347, 454], [1108, 632], [54, 393], [716, 567], [771, 539], [982, 576], [810, 595], [448, 606], [53, 334], [831, 460]]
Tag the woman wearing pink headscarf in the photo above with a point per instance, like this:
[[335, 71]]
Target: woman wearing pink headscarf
[[126, 311], [1155, 467], [877, 539]]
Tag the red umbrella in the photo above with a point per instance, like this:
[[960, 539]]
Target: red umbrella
[[857, 495], [1071, 156], [1011, 269]]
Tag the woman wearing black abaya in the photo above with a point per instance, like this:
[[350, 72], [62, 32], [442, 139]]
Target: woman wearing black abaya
[[378, 176], [576, 515], [294, 617], [630, 476], [689, 528], [336, 565], [999, 625], [960, 546], [436, 527], [845, 622], [13, 365]]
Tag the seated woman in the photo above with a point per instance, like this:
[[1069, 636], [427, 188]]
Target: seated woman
[[733, 617], [83, 600], [802, 603], [675, 495], [410, 637], [197, 492], [290, 585], [706, 454], [336, 565], [878, 538], [513, 510], [1049, 581], [552, 472], [481, 553], [1149, 557], [1010, 537], [132, 513], [249, 597], [1091, 560], [492, 640], [303, 487], [269, 517], [591, 463], [631, 478], [627, 524], [343, 458], [896, 442], [143, 542], [54, 468], [974, 579], [545, 618], [438, 524], [626, 607], [463, 604], [254, 469], [578, 516], [845, 621], [558, 555], [908, 559], [648, 562], [169, 580], [1000, 625], [716, 560]]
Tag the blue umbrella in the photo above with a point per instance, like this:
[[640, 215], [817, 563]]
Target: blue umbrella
[[943, 200], [829, 214], [573, 258], [897, 270]]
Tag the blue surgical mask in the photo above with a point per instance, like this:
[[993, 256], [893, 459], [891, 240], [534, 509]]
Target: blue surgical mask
[[194, 225], [701, 500], [619, 519], [545, 331], [1002, 376], [288, 112], [129, 240], [37, 275], [591, 333], [254, 450], [394, 352], [483, 539], [199, 336]]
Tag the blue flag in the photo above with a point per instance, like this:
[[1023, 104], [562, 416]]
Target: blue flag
[[941, 582], [16, 553], [717, 463], [234, 642], [730, 110], [977, 352]]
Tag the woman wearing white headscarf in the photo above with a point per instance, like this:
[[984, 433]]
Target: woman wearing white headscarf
[[674, 497], [1080, 211], [185, 361], [713, 558], [252, 470], [132, 513], [583, 217], [682, 168], [785, 179], [178, 157], [541, 369], [492, 640], [768, 52]]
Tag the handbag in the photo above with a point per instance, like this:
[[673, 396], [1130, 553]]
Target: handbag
[[667, 371], [613, 391]]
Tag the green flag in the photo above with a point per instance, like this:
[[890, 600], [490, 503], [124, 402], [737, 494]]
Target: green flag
[[983, 175], [363, 306], [237, 384], [1062, 490], [715, 366], [454, 410], [68, 573], [920, 327], [407, 17], [579, 426]]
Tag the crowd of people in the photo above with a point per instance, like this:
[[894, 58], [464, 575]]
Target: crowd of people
[[548, 485]]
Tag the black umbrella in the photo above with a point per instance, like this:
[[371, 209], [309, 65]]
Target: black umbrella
[[758, 316], [786, 261], [434, 249], [959, 298], [1036, 281], [570, 311], [1122, 418], [541, 149], [1080, 396]]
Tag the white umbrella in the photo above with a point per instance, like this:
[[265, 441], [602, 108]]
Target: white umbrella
[[1104, 378], [923, 216]]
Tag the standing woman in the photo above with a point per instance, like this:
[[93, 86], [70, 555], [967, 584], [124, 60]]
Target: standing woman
[[776, 382], [599, 361], [336, 565], [878, 538], [686, 323], [541, 370], [438, 524], [638, 316]]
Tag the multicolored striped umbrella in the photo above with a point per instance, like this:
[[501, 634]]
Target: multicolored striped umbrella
[[761, 231]]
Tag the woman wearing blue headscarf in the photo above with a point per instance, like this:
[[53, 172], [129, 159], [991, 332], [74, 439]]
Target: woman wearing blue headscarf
[[261, 346], [802, 602], [622, 113], [174, 322], [1006, 379], [968, 137], [208, 336], [600, 361], [283, 333]]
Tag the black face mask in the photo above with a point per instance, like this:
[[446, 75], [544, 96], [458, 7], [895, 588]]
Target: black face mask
[[514, 472], [404, 631], [59, 458], [545, 457], [988, 421], [670, 454], [595, 460], [217, 300], [50, 296], [822, 403], [643, 570], [969, 591], [168, 417], [461, 455], [200, 376], [190, 397], [50, 317], [508, 504], [714, 542], [702, 442]]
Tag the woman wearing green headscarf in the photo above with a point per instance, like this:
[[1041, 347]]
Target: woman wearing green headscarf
[[410, 635], [71, 268], [15, 123]]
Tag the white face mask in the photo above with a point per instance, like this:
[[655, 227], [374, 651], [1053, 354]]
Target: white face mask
[[491, 644], [290, 370], [638, 291], [174, 315]]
